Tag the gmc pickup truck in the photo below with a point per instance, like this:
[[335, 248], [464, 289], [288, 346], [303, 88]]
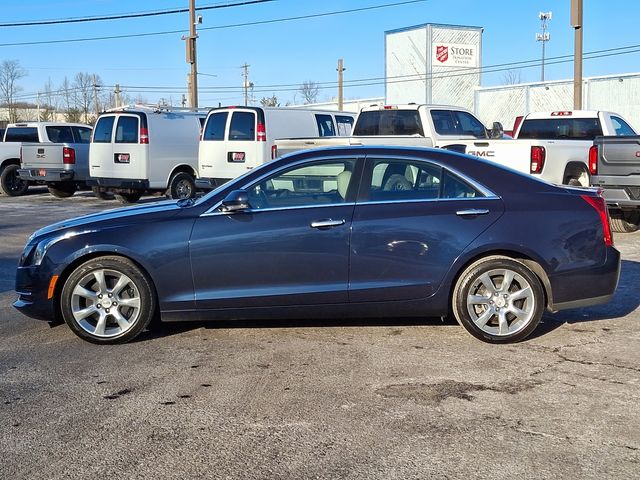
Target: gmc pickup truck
[[16, 135], [614, 165], [553, 146]]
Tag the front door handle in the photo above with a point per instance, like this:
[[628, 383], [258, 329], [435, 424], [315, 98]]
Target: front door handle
[[472, 212], [327, 223]]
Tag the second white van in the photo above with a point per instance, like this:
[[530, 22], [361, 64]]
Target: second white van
[[237, 139]]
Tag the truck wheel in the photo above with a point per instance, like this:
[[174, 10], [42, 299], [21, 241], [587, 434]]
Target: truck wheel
[[624, 221], [182, 185], [126, 198], [102, 195], [10, 183], [62, 190]]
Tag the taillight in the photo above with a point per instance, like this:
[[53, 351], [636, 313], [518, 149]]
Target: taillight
[[144, 136], [538, 155], [68, 156], [262, 133], [20, 153], [601, 207], [593, 160], [274, 152]]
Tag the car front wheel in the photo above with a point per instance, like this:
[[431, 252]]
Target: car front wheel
[[107, 300], [498, 300]]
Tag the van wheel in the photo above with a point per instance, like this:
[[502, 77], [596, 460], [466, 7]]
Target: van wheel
[[62, 190], [182, 185], [10, 183], [126, 198], [101, 194], [625, 221]]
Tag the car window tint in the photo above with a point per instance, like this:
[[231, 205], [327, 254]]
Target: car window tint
[[324, 182], [242, 126], [102, 132], [561, 129], [455, 187], [469, 125], [393, 180], [59, 133], [389, 122], [443, 122], [127, 130], [82, 134], [345, 125], [216, 124], [622, 128], [21, 134], [325, 126]]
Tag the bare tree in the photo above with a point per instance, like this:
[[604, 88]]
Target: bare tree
[[10, 73], [48, 101], [269, 101], [309, 90], [512, 77], [83, 94]]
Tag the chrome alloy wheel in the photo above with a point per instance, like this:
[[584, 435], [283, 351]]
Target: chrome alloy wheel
[[105, 303], [501, 302]]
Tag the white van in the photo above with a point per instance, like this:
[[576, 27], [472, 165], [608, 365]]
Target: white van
[[144, 148], [237, 139]]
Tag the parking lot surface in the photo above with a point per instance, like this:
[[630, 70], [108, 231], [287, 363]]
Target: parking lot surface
[[366, 399]]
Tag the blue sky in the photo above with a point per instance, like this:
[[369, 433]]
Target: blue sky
[[294, 51]]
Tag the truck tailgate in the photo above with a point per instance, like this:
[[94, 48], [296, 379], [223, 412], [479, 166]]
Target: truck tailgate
[[38, 155], [619, 156]]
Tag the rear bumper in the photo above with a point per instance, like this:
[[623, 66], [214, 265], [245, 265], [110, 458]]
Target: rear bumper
[[210, 183], [46, 174], [621, 192], [118, 183]]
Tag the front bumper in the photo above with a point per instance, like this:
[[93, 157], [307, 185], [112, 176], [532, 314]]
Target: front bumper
[[32, 286], [46, 174]]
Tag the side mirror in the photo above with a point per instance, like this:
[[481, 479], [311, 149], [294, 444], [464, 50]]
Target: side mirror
[[496, 130], [235, 201]]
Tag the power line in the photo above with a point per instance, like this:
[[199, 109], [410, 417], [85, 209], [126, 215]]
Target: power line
[[219, 27], [128, 15]]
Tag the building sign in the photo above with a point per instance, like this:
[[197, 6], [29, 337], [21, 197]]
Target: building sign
[[454, 55]]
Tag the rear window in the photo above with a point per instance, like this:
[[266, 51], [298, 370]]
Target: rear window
[[127, 130], [82, 134], [561, 129], [102, 132], [59, 134], [325, 125], [345, 125], [21, 134], [242, 126], [389, 122], [215, 126]]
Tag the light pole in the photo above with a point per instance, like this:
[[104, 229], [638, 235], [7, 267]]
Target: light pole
[[576, 23], [543, 37]]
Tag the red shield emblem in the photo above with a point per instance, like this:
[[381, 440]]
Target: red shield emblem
[[442, 53]]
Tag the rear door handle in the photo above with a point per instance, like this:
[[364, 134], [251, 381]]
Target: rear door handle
[[327, 223], [472, 212]]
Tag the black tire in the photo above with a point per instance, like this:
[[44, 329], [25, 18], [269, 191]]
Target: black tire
[[624, 221], [127, 198], [62, 190], [102, 195], [100, 311], [10, 184], [494, 306], [182, 185]]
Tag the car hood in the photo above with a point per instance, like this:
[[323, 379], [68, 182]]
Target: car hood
[[110, 218]]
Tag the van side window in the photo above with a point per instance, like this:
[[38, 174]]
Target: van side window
[[243, 126], [345, 124], [104, 127], [216, 124], [325, 125], [127, 130]]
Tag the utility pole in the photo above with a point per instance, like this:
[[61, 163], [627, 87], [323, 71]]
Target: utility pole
[[340, 69], [245, 74], [543, 37], [95, 94], [191, 54], [576, 23], [117, 92], [38, 104]]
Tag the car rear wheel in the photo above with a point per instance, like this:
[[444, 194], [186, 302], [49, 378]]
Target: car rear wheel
[[107, 300], [182, 185], [498, 300], [62, 190], [625, 222], [10, 183], [126, 198]]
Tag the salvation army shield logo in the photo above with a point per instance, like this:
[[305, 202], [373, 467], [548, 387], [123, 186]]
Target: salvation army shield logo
[[442, 53]]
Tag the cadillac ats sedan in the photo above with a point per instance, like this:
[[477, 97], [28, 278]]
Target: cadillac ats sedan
[[332, 233]]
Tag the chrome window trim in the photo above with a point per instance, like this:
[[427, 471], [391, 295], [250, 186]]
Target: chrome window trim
[[276, 209], [424, 200]]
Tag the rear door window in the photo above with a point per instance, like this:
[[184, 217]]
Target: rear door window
[[103, 130], [81, 134], [325, 126], [243, 126], [21, 134], [344, 124], [59, 133], [127, 129], [216, 125]]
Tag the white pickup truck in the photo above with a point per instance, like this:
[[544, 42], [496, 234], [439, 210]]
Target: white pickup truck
[[553, 146], [19, 134]]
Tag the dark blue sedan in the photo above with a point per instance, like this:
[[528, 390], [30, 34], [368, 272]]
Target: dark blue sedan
[[343, 232]]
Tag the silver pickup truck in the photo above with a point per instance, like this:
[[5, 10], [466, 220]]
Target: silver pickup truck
[[62, 165], [614, 165]]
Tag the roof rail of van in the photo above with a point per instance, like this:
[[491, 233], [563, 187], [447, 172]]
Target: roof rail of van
[[157, 108]]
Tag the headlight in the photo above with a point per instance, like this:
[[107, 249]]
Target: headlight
[[34, 254]]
